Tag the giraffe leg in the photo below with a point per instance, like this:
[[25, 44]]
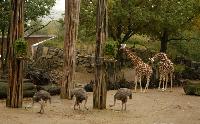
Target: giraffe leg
[[171, 76], [160, 80], [163, 82], [147, 84], [140, 80], [166, 82], [135, 83]]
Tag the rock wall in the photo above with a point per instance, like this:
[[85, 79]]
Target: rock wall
[[192, 68], [51, 60]]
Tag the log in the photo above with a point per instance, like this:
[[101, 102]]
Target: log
[[29, 89]]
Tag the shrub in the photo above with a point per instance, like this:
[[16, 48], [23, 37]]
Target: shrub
[[110, 49], [20, 47], [179, 68]]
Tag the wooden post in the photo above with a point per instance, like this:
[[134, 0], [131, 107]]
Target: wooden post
[[100, 91], [72, 9], [15, 74]]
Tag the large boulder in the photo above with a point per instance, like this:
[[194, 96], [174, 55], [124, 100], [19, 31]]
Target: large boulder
[[191, 87]]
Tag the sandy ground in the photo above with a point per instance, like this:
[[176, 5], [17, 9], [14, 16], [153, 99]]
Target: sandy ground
[[153, 107]]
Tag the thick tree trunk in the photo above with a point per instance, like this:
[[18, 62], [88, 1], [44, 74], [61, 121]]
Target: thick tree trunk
[[164, 41], [15, 83], [72, 9], [100, 90]]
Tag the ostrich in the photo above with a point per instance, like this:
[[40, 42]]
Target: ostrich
[[122, 95], [80, 95], [41, 97]]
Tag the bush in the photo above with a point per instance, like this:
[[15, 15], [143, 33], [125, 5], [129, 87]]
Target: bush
[[179, 68], [110, 49], [20, 47]]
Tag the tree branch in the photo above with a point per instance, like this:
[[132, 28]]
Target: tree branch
[[187, 39], [127, 35], [31, 27], [41, 27]]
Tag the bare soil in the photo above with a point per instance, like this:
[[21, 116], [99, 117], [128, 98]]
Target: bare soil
[[154, 107]]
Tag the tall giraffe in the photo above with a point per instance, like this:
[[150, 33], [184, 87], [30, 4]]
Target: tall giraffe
[[166, 69], [141, 68]]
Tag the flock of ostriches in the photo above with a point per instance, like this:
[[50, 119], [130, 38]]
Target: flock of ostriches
[[165, 68]]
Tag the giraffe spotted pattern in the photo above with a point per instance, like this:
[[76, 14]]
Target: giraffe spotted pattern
[[165, 68], [141, 68]]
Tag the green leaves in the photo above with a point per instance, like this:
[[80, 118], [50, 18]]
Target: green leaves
[[33, 9], [110, 49], [37, 8], [20, 46], [151, 17], [4, 14]]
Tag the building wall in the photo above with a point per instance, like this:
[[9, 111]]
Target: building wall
[[31, 40]]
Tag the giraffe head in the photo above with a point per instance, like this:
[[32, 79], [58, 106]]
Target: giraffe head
[[161, 56], [123, 46], [151, 60]]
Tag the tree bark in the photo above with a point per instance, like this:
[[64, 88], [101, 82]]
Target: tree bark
[[100, 90], [72, 9], [164, 41], [15, 74]]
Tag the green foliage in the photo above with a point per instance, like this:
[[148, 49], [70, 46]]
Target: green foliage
[[110, 49], [87, 25], [153, 18], [172, 16], [187, 49], [33, 9], [37, 8], [20, 47], [4, 14], [179, 68]]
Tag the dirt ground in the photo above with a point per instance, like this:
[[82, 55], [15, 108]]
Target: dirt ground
[[154, 107]]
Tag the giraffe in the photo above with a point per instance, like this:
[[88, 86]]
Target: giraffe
[[166, 69], [141, 68]]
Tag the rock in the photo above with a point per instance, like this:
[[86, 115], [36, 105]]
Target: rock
[[89, 87], [191, 87], [39, 77]]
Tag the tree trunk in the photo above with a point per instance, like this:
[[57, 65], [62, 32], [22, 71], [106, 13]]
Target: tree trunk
[[2, 55], [164, 41], [100, 90], [72, 9], [15, 83]]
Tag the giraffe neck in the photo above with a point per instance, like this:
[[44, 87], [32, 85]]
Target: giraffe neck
[[134, 59]]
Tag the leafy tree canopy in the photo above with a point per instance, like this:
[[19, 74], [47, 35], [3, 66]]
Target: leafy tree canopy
[[33, 10], [161, 19], [37, 8]]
